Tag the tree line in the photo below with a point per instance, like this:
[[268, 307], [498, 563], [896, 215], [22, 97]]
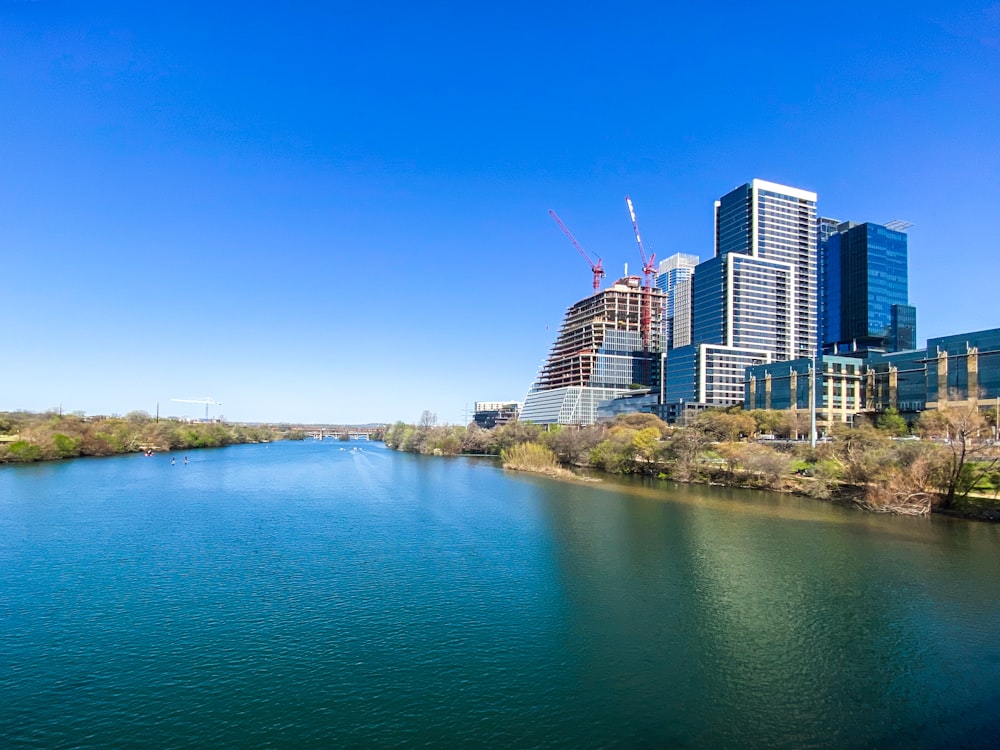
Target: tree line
[[884, 464], [27, 436]]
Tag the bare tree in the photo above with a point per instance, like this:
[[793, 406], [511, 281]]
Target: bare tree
[[908, 490], [965, 461]]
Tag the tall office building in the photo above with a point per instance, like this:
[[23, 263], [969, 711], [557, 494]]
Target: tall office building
[[755, 301], [828, 295], [864, 305], [601, 352], [778, 223], [744, 302], [672, 272], [680, 326]]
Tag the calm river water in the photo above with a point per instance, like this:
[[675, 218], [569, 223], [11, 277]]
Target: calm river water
[[307, 595]]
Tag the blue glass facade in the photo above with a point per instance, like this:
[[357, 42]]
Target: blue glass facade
[[760, 305], [734, 222], [963, 366], [708, 302], [829, 285], [673, 271], [898, 380], [681, 383], [903, 328], [864, 292]]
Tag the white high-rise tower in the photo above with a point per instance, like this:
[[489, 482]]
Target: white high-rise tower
[[755, 301], [777, 223]]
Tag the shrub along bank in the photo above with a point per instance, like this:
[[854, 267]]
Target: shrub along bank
[[880, 467]]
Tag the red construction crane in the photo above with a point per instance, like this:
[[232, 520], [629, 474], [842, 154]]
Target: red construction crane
[[649, 271], [595, 267]]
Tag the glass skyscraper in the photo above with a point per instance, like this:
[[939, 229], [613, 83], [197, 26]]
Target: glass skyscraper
[[755, 301], [864, 302], [673, 272]]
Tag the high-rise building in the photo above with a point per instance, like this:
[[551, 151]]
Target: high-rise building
[[672, 272], [744, 302], [863, 302], [778, 223], [755, 301], [601, 352], [680, 327]]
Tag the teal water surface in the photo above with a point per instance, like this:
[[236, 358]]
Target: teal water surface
[[311, 595]]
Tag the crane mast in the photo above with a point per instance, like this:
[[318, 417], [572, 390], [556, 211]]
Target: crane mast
[[207, 401], [649, 271], [596, 268]]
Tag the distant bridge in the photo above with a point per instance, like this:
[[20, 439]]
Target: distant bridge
[[335, 433]]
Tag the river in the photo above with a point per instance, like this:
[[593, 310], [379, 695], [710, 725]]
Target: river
[[332, 595]]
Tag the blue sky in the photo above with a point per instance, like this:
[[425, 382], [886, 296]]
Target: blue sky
[[324, 214]]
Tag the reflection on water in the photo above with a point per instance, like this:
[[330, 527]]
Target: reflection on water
[[303, 595]]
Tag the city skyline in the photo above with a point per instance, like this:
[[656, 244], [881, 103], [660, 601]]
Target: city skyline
[[340, 215]]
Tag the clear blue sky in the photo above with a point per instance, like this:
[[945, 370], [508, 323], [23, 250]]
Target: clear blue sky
[[315, 213]]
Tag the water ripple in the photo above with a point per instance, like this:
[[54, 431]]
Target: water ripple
[[302, 596]]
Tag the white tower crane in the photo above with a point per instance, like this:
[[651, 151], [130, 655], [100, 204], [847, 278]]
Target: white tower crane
[[207, 401]]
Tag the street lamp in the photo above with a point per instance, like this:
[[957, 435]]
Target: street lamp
[[812, 401]]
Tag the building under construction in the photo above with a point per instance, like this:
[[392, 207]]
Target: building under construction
[[609, 344]]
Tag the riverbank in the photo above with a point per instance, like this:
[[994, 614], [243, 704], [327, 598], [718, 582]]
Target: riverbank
[[968, 509], [864, 466], [27, 437]]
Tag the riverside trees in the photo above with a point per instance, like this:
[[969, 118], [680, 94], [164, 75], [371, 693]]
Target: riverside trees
[[964, 460], [34, 437], [871, 464]]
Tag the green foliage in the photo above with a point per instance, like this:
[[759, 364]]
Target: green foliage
[[766, 421], [442, 441], [394, 435], [640, 421], [23, 451], [435, 440], [66, 446], [892, 423], [295, 435], [722, 425], [646, 445], [611, 455]]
